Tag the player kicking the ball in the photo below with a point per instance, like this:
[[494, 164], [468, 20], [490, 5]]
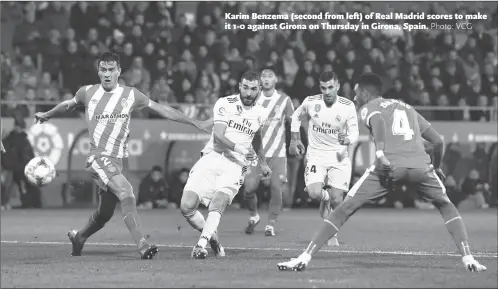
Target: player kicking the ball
[[108, 108], [333, 125], [218, 175], [279, 109], [398, 131]]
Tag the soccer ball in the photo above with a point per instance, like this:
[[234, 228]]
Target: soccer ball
[[40, 171]]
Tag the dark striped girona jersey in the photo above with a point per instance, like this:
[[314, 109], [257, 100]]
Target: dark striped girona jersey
[[107, 115], [404, 145], [278, 107]]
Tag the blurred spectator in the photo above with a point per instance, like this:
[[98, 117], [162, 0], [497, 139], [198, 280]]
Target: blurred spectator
[[177, 185], [27, 34], [189, 108], [56, 17], [13, 109], [475, 192], [204, 91], [137, 75], [161, 92], [153, 190], [451, 63], [52, 52], [485, 41], [71, 64], [18, 153], [82, 17], [452, 190]]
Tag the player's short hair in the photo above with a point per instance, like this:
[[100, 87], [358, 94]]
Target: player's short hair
[[328, 76], [110, 56], [269, 68], [250, 76], [372, 82]]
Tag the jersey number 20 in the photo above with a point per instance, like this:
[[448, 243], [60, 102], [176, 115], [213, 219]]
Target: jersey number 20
[[401, 125]]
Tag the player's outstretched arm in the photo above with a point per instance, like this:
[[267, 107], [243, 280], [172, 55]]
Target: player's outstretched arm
[[170, 113], [431, 135], [61, 107]]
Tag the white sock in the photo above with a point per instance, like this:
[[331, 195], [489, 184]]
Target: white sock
[[325, 195], [212, 222], [196, 220], [255, 218]]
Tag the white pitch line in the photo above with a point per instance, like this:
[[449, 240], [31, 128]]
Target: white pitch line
[[359, 252]]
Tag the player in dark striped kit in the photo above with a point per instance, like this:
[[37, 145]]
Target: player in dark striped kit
[[108, 107], [398, 131]]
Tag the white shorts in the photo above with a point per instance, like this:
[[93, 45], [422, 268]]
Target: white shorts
[[213, 172], [335, 174]]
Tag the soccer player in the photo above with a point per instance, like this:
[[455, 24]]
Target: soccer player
[[333, 125], [398, 131], [218, 175], [108, 108], [279, 109]]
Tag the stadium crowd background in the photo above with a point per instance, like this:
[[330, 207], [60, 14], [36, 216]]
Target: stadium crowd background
[[188, 60], [49, 50]]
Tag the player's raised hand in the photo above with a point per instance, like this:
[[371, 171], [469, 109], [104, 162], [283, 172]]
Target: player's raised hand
[[265, 171], [296, 148], [440, 174], [40, 117], [343, 139], [384, 164], [251, 155]]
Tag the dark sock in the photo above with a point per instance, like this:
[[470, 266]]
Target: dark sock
[[252, 203], [332, 224], [107, 204], [275, 206], [132, 220], [456, 227]]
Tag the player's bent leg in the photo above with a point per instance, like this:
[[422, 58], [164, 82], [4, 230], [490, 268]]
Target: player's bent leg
[[251, 184], [433, 189], [189, 207], [367, 188], [120, 186], [104, 213], [221, 199], [336, 197]]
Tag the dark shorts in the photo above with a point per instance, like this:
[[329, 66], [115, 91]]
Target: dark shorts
[[374, 185], [103, 168], [278, 166]]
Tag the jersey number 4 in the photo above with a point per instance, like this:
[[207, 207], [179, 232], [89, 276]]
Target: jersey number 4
[[401, 125]]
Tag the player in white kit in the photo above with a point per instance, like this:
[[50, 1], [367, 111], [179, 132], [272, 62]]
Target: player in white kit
[[218, 175], [333, 125]]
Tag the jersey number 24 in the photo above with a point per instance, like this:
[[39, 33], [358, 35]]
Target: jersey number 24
[[401, 125]]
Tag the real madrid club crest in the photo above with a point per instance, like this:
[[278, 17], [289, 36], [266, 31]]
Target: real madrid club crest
[[318, 107], [239, 109], [124, 103]]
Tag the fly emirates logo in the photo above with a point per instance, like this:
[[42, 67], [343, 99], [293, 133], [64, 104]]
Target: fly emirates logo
[[326, 128], [244, 127]]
